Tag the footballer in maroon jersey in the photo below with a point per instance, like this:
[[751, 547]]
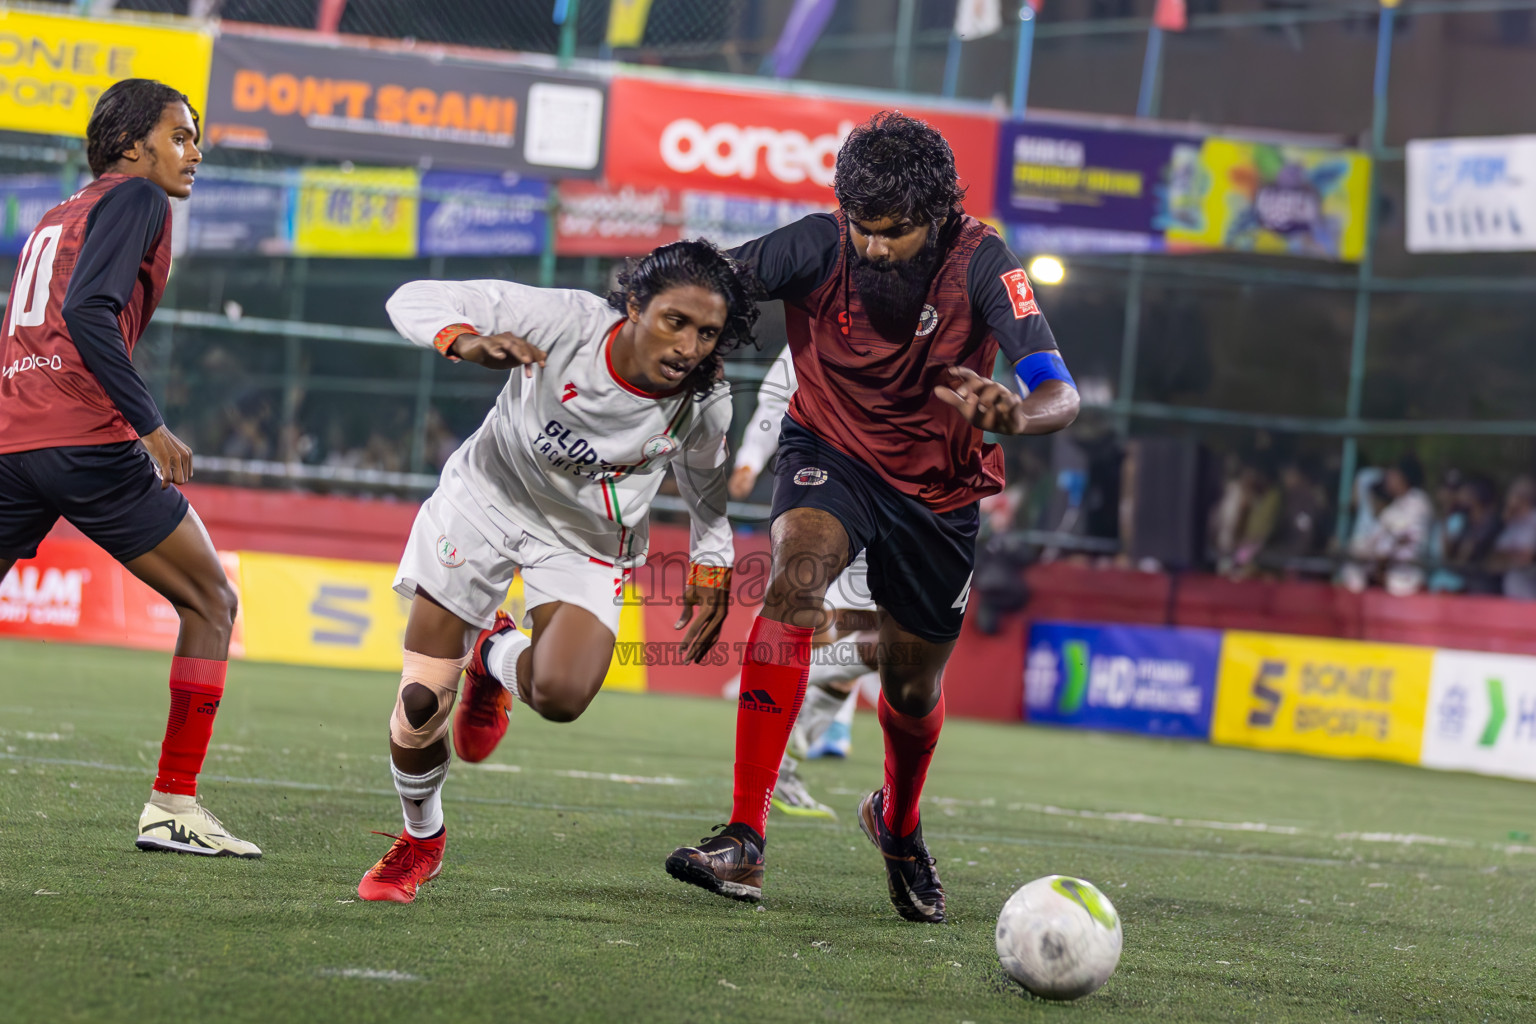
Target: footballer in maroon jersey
[[897, 306], [74, 414]]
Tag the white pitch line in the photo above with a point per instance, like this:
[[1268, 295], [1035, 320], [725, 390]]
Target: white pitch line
[[1125, 817], [1394, 838], [367, 973]]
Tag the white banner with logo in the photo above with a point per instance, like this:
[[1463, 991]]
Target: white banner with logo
[[1472, 195], [1482, 714]]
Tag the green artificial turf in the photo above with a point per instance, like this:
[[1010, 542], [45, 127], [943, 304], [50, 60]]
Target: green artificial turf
[[1253, 887]]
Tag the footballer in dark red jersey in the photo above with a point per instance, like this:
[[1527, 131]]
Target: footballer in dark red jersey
[[80, 437], [897, 306]]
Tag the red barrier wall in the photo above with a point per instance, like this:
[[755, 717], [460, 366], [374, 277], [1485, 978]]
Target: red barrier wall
[[291, 523]]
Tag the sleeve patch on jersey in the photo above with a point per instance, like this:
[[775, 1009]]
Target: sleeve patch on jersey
[[1020, 294]]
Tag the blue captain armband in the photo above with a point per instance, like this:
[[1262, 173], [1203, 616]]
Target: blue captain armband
[[1038, 367]]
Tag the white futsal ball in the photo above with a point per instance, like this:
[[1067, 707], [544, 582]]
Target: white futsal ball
[[1059, 937]]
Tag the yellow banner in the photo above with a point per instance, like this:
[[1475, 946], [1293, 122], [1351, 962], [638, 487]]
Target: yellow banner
[[341, 614], [626, 22], [367, 211], [321, 611], [53, 68], [1256, 197], [1334, 698]]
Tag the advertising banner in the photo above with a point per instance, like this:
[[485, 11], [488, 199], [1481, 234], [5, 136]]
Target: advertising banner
[[238, 217], [731, 220], [1263, 198], [1066, 189], [1472, 195], [74, 592], [321, 611], [629, 221], [481, 214], [1122, 678], [1482, 714], [26, 197], [1333, 698], [764, 144], [350, 103], [598, 221], [53, 68], [365, 211]]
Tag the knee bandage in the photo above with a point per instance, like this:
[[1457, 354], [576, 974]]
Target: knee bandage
[[440, 676]]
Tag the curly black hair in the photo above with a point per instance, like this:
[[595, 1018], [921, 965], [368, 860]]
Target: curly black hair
[[899, 167], [694, 262], [125, 115]]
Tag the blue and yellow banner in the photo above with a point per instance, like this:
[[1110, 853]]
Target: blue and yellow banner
[[1264, 198]]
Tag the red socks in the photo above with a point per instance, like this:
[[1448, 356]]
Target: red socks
[[196, 686], [909, 744], [772, 687]]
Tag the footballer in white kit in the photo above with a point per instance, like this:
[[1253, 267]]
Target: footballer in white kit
[[603, 396]]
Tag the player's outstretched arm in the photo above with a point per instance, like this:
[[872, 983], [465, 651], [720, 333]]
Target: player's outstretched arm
[[990, 406], [498, 324], [702, 472]]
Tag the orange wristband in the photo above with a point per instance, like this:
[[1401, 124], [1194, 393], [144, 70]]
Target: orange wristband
[[717, 576], [446, 336]]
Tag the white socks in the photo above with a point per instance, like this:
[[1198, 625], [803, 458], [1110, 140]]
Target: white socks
[[836, 662], [421, 799], [817, 712], [501, 660]]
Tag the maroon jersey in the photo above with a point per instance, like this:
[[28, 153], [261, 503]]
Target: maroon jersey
[[871, 397], [89, 278]]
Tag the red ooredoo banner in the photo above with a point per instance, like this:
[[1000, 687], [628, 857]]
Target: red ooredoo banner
[[774, 145]]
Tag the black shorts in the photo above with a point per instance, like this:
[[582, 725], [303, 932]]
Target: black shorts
[[920, 561], [110, 492]]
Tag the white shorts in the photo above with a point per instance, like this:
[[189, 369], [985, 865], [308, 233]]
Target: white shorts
[[851, 588], [466, 563]]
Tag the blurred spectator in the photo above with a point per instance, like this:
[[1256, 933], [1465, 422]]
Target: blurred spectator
[[1302, 504], [441, 441], [1515, 550], [1391, 548], [1244, 520], [1466, 554]]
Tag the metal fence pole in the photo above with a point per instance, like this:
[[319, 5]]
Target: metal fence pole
[[1022, 58], [568, 30], [906, 14], [1147, 102], [293, 370], [1357, 345]]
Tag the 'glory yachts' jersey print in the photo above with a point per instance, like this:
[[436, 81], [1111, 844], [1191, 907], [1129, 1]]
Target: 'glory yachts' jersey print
[[573, 454]]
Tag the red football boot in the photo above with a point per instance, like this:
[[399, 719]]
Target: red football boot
[[485, 705], [402, 870]]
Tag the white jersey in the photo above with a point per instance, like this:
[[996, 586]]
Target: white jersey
[[761, 438], [574, 455]]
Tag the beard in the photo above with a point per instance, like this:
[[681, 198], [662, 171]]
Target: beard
[[893, 290]]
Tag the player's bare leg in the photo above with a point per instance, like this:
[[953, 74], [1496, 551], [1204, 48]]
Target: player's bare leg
[[557, 674], [810, 547], [434, 658], [186, 571], [911, 715]]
